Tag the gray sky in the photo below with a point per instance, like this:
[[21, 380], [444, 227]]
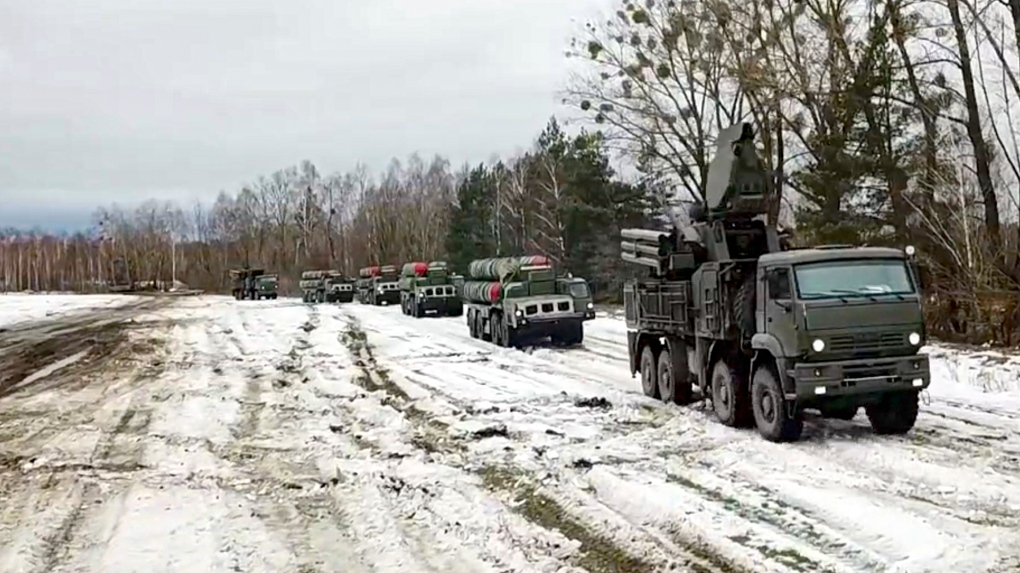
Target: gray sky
[[124, 100]]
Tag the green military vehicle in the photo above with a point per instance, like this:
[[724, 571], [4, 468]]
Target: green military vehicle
[[512, 301], [313, 285], [253, 284], [379, 285], [339, 288], [429, 288], [766, 333]]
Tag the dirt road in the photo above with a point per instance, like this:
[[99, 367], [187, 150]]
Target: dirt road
[[210, 435]]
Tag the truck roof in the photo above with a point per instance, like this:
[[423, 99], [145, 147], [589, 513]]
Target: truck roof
[[819, 254]]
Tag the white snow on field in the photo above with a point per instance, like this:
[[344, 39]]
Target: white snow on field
[[17, 308], [943, 498], [271, 439]]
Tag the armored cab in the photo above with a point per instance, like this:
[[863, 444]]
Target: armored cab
[[378, 285], [427, 288], [763, 332]]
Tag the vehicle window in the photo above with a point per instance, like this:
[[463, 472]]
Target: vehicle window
[[835, 279], [428, 292], [779, 284], [579, 290]]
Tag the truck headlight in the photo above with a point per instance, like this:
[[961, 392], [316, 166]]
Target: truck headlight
[[818, 345], [914, 338], [380, 290], [591, 306], [518, 312]]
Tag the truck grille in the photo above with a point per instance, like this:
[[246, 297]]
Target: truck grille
[[551, 307], [869, 342]]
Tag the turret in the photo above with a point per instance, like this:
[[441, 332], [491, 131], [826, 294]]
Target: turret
[[724, 226]]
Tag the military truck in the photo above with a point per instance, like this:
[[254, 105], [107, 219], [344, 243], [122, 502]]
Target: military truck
[[245, 285], [267, 286], [766, 332], [378, 285], [429, 288], [339, 288], [512, 301], [312, 286]]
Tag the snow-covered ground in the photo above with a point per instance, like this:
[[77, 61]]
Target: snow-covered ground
[[19, 308], [279, 436]]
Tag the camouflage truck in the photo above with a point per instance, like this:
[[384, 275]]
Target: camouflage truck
[[379, 285], [428, 288], [766, 332], [512, 301], [244, 283]]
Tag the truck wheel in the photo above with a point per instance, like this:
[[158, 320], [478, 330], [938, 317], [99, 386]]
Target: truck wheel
[[472, 329], [649, 373], [844, 413], [480, 322], [419, 312], [577, 336], [770, 412], [730, 398], [674, 376], [743, 308], [894, 414]]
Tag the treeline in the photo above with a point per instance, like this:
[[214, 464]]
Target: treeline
[[883, 121], [560, 198]]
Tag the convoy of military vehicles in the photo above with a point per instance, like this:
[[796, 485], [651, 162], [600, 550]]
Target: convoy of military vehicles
[[766, 332], [727, 312]]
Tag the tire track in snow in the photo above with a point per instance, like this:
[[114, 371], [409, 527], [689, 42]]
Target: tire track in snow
[[846, 452], [598, 551]]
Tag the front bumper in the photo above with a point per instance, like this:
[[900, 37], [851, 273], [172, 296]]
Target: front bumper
[[546, 326], [441, 305], [819, 380], [388, 297]]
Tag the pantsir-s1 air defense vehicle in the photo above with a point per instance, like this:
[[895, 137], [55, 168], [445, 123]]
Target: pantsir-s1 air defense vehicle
[[515, 300], [766, 332], [427, 288], [378, 285]]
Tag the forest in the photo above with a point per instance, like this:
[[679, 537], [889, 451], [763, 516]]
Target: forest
[[883, 122]]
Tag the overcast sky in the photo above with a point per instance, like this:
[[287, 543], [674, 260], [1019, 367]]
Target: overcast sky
[[124, 100]]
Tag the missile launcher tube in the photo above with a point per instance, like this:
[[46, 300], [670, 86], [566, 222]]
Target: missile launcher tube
[[501, 268], [484, 292]]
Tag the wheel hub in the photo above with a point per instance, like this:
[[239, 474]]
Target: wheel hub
[[768, 407]]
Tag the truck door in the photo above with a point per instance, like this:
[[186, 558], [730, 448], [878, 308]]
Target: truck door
[[778, 317]]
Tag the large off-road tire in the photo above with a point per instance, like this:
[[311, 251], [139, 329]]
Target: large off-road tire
[[844, 413], [649, 372], [771, 414], [472, 326], [480, 326], [895, 413], [496, 325], [731, 398], [742, 310], [674, 375], [419, 312]]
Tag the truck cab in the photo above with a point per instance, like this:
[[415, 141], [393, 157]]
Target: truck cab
[[339, 289], [842, 326], [267, 286], [385, 290]]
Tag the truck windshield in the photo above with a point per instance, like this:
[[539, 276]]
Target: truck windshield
[[835, 279], [579, 290]]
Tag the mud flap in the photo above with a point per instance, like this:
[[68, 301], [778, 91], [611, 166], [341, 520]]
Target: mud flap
[[632, 340]]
